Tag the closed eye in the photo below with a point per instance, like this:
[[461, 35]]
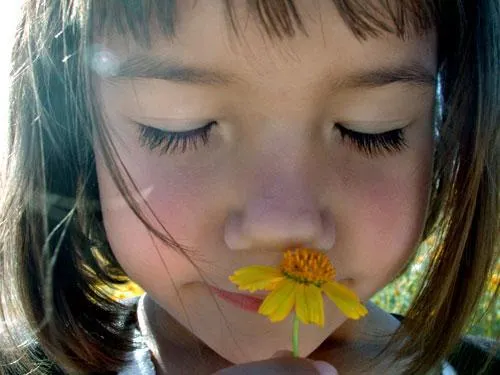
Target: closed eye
[[375, 144], [370, 144], [171, 142]]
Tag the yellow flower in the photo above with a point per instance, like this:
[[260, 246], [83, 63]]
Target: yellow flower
[[300, 280]]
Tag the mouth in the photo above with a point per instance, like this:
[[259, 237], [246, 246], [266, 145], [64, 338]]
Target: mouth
[[244, 301]]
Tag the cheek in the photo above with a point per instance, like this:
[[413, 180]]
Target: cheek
[[178, 207], [383, 221], [397, 208]]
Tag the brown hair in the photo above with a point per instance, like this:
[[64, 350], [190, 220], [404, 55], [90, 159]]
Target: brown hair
[[50, 220]]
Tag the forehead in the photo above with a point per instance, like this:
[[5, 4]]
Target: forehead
[[241, 38], [278, 18]]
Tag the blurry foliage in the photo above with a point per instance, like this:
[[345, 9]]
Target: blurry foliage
[[397, 296]]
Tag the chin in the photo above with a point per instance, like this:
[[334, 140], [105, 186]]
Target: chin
[[250, 337]]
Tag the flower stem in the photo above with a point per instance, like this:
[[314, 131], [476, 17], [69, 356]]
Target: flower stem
[[295, 336]]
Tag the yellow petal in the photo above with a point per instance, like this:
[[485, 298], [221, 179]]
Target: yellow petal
[[345, 299], [309, 305], [254, 278], [279, 302], [284, 308], [301, 306], [315, 304]]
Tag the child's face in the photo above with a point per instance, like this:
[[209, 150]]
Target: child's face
[[275, 170]]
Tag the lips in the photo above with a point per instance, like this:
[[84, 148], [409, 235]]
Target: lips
[[243, 301]]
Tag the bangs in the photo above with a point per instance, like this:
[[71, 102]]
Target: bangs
[[278, 18]]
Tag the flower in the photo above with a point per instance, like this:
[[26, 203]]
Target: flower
[[300, 280]]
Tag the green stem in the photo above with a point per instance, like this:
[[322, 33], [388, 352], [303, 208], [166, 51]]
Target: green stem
[[295, 336]]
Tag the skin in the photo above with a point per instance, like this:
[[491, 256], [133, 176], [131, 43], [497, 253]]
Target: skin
[[274, 173]]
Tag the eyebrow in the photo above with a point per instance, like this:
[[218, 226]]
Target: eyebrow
[[412, 73], [148, 67]]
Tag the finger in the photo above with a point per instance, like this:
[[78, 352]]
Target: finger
[[280, 366], [282, 353], [324, 368]]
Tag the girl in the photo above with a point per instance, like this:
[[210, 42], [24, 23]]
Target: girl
[[172, 142]]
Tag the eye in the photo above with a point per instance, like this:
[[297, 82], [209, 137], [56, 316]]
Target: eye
[[172, 142], [375, 144]]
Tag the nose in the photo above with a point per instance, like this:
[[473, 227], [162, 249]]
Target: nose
[[278, 218]]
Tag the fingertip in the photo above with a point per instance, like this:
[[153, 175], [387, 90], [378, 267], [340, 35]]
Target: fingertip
[[324, 368]]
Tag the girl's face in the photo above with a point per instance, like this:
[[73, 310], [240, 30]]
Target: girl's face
[[321, 140]]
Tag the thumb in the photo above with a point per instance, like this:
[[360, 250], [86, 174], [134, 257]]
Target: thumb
[[323, 368]]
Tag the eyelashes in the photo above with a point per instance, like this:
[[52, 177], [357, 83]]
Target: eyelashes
[[368, 144], [171, 142], [388, 142]]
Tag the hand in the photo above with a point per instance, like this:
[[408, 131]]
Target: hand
[[281, 362]]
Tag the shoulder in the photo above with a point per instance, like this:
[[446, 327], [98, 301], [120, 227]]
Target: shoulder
[[475, 354], [139, 361]]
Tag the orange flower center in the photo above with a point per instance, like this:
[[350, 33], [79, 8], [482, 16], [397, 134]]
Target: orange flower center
[[307, 266]]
